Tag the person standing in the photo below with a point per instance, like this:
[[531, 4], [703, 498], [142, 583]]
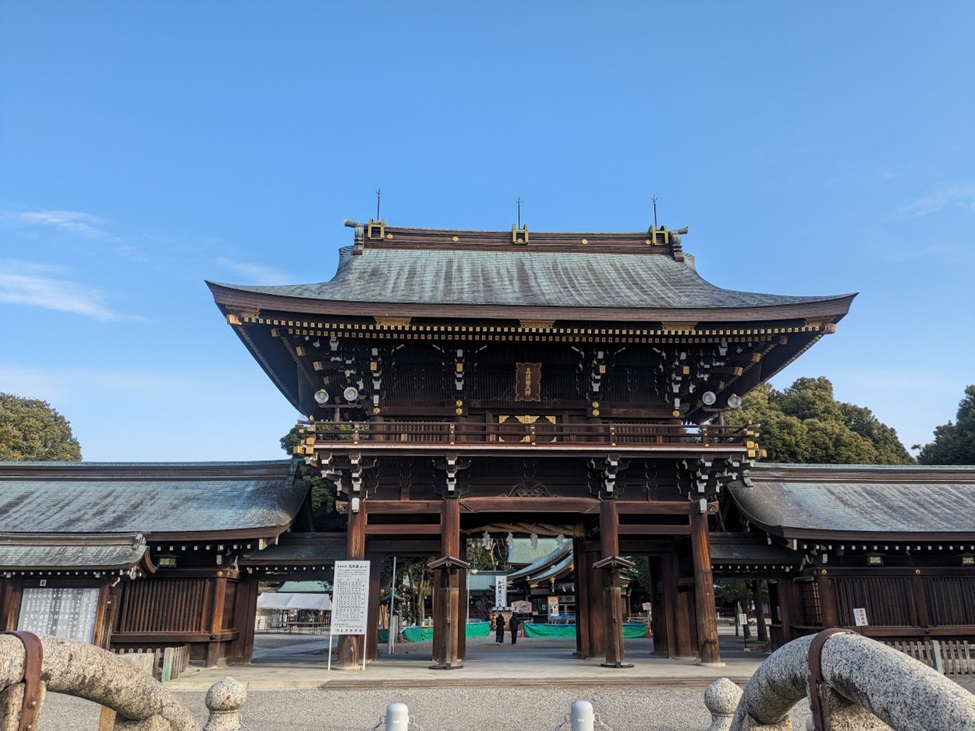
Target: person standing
[[513, 623], [499, 629]]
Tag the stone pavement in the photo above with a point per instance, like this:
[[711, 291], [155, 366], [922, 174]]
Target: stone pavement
[[300, 661]]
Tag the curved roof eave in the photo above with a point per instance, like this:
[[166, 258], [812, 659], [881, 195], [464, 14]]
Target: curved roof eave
[[232, 297], [860, 502]]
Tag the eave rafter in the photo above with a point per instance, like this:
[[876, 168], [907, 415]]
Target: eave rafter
[[529, 330]]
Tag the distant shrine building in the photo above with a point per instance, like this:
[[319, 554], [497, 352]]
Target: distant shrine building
[[463, 383]]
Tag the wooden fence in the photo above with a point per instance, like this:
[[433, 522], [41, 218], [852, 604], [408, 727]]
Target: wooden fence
[[167, 662], [951, 657]]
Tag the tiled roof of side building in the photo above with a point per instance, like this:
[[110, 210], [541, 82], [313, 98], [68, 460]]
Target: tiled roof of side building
[[260, 499], [85, 552], [853, 501]]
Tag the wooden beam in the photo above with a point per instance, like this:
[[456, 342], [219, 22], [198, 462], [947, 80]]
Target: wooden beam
[[405, 547], [408, 507], [642, 507], [529, 505], [403, 529], [654, 530]]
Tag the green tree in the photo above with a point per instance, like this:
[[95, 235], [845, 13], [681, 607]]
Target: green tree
[[30, 430], [744, 593], [324, 513], [487, 559], [954, 443], [805, 424], [420, 582]]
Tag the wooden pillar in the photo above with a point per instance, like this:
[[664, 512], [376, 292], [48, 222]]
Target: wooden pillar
[[12, 593], [609, 545], [678, 613], [349, 650], [102, 631], [245, 612], [372, 621], [659, 623], [214, 649], [440, 628], [707, 618], [464, 604], [597, 608], [920, 601], [582, 566], [827, 600], [447, 620]]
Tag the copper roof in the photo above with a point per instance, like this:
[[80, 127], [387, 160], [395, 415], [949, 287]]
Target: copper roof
[[160, 500], [20, 552], [853, 502], [421, 268]]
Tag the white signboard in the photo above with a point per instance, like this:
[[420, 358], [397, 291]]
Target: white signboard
[[59, 611], [500, 591], [860, 617], [350, 598]]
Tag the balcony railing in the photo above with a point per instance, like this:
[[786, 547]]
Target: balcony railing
[[540, 433]]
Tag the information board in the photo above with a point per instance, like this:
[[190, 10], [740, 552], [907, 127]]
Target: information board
[[350, 598], [60, 611], [500, 591], [860, 617]]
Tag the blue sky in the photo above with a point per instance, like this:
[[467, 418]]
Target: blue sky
[[812, 148]]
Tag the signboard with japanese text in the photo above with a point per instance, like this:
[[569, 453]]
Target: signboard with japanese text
[[500, 592], [350, 598], [860, 617], [59, 611]]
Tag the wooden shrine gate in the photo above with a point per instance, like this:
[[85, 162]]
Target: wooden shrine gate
[[615, 491]]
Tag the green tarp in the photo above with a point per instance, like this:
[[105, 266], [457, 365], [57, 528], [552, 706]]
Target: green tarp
[[636, 629], [483, 629], [419, 634]]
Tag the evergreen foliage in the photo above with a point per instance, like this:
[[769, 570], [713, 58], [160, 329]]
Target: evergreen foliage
[[324, 513], [954, 442], [30, 430], [805, 424]]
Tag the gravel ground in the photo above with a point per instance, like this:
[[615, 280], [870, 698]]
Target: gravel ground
[[454, 709]]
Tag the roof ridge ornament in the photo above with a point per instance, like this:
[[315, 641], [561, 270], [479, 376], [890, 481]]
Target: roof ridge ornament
[[519, 235]]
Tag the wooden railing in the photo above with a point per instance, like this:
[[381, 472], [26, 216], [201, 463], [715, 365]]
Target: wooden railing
[[515, 432], [951, 657]]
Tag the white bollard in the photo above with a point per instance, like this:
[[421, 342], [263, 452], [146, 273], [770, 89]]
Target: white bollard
[[582, 717], [397, 717]]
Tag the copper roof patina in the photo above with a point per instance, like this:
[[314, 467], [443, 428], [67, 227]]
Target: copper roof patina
[[157, 500], [417, 270], [853, 502], [22, 552]]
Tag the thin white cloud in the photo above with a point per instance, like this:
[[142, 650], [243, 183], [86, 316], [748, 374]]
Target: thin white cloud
[[959, 196], [26, 283], [255, 273], [76, 223]]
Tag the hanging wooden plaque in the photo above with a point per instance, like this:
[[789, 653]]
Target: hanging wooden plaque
[[528, 381]]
